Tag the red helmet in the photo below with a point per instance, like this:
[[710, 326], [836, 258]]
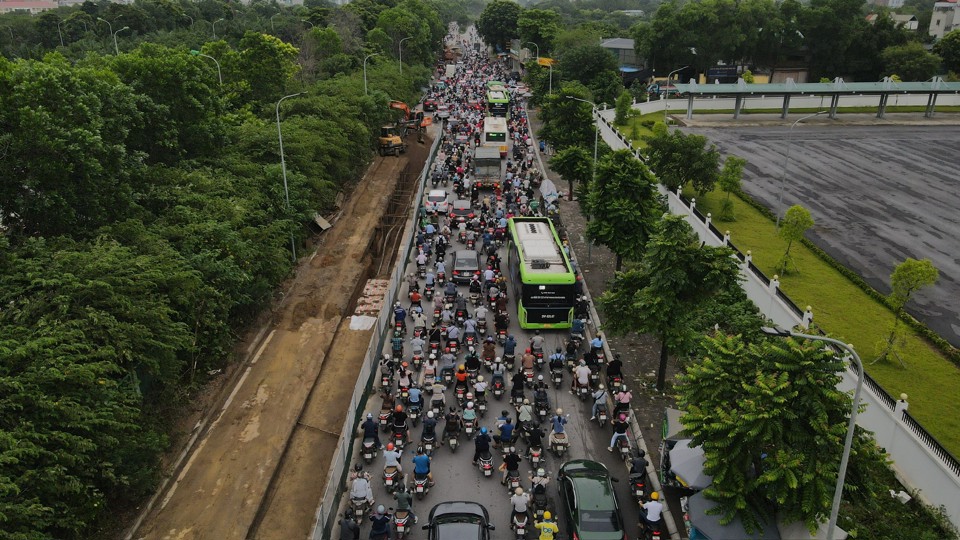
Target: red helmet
[[399, 408], [405, 363], [527, 351], [389, 446]]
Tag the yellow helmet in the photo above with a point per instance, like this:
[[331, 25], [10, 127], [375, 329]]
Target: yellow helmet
[[547, 515], [654, 496]]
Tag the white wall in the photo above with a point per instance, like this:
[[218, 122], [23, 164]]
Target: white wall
[[915, 463]]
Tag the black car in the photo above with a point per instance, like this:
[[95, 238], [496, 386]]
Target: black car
[[466, 264], [460, 211], [459, 520], [589, 502]]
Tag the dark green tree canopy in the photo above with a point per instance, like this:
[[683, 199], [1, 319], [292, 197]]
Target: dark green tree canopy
[[498, 23]]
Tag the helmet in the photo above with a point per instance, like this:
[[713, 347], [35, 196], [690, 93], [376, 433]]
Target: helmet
[[559, 411], [469, 396], [559, 350], [641, 453], [381, 509], [526, 401], [461, 367], [518, 491], [386, 357], [599, 387], [399, 408], [623, 417], [483, 431], [413, 384], [396, 305], [509, 336], [405, 363], [429, 414], [623, 388], [654, 496], [390, 446], [540, 378], [433, 356], [469, 404], [527, 351], [583, 362], [479, 378], [535, 332], [358, 467], [446, 349], [547, 515], [369, 416], [453, 409], [497, 360], [541, 472]]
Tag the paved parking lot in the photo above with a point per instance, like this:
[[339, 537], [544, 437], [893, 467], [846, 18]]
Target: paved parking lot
[[879, 194]]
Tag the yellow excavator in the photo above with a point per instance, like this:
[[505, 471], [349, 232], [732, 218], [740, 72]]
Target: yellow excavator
[[392, 136]]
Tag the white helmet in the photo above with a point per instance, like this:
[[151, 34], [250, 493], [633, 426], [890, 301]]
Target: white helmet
[[541, 472], [540, 378], [599, 387], [496, 360], [479, 378], [386, 357], [469, 404], [429, 414], [559, 411]]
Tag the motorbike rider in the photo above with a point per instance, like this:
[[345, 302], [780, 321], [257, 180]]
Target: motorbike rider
[[536, 342], [452, 426], [381, 523], [581, 377], [415, 398], [556, 359], [652, 510], [509, 346], [501, 321], [638, 465], [480, 388], [421, 464], [436, 396], [538, 482], [419, 321], [416, 346], [400, 423], [450, 289], [371, 430], [557, 422], [518, 381], [480, 315], [388, 364], [461, 377], [577, 329], [622, 398], [506, 434], [360, 487], [615, 367], [524, 414], [599, 399], [404, 501], [415, 300], [442, 269], [400, 315], [469, 412], [461, 303], [499, 369], [596, 344], [528, 360], [534, 436], [453, 334], [475, 287], [391, 458], [429, 280], [481, 444], [404, 375], [619, 431], [447, 361], [429, 426], [548, 529], [470, 327], [519, 501], [349, 529], [471, 361]]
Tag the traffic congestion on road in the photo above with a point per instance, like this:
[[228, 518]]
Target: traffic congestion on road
[[481, 427]]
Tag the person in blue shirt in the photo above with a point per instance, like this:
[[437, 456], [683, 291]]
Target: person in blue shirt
[[414, 395], [597, 343], [371, 430], [557, 422], [506, 433], [430, 230], [577, 328], [429, 279], [421, 464], [509, 346]]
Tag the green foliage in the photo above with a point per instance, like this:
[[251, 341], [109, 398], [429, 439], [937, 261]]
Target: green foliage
[[540, 26], [624, 102], [498, 23], [910, 61], [589, 64], [266, 63], [948, 48], [729, 182], [663, 293], [747, 76], [624, 205], [907, 278], [678, 158], [771, 422], [574, 164], [796, 221], [566, 121]]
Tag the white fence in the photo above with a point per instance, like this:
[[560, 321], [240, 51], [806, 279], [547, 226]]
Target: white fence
[[326, 514], [919, 460]]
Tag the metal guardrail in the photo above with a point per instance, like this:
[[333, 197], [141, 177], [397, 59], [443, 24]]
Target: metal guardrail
[[948, 459]]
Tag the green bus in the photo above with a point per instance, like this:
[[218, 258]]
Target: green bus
[[498, 99], [540, 274]]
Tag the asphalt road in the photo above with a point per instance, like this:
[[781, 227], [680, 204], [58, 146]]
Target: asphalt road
[[878, 195], [457, 479]]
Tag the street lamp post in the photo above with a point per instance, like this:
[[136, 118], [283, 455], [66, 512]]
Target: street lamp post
[[59, 33], [400, 47], [786, 161], [191, 19], [283, 168], [851, 425], [538, 49], [365, 71], [219, 73], [596, 134], [213, 25], [666, 93], [272, 29], [116, 48], [312, 26]]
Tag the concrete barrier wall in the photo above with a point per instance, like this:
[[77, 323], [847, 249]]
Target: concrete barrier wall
[[917, 463], [326, 514]]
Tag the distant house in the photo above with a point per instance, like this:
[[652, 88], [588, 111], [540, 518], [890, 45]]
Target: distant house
[[622, 49], [945, 18], [908, 22], [26, 6]]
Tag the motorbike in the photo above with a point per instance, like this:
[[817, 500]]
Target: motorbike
[[536, 457], [437, 407], [516, 397], [481, 403], [559, 445], [583, 391], [461, 393], [474, 298], [486, 464], [471, 243], [540, 504], [436, 315], [428, 293], [543, 409], [404, 393], [471, 341], [454, 346], [538, 358], [386, 380], [498, 389], [441, 279], [508, 447], [651, 532], [453, 440], [501, 336], [413, 411], [421, 485], [417, 362], [509, 360], [468, 427], [402, 524], [602, 415], [519, 524], [391, 477], [528, 374], [594, 376], [638, 485], [513, 481], [623, 448], [428, 441], [557, 375], [369, 449], [421, 270], [359, 506], [482, 326], [398, 329]]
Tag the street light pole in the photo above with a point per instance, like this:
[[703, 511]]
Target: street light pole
[[191, 19], [213, 25], [786, 161], [219, 73], [400, 47], [116, 48], [596, 135], [666, 93], [365, 71], [109, 26], [283, 168], [551, 78], [851, 425], [538, 49], [272, 28], [59, 33], [312, 26]]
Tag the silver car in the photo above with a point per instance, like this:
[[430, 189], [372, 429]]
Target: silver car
[[437, 201]]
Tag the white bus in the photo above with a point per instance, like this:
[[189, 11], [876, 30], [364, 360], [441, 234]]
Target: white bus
[[495, 133]]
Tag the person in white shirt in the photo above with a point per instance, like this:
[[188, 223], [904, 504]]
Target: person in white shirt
[[653, 508]]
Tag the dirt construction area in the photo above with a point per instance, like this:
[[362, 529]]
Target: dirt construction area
[[254, 467]]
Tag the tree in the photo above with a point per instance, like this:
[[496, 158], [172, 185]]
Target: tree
[[949, 49], [729, 180], [540, 26], [267, 63], [566, 121], [586, 63], [910, 61], [574, 164], [624, 205], [794, 224], [662, 294], [498, 23], [907, 278], [771, 423], [679, 159], [624, 101]]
